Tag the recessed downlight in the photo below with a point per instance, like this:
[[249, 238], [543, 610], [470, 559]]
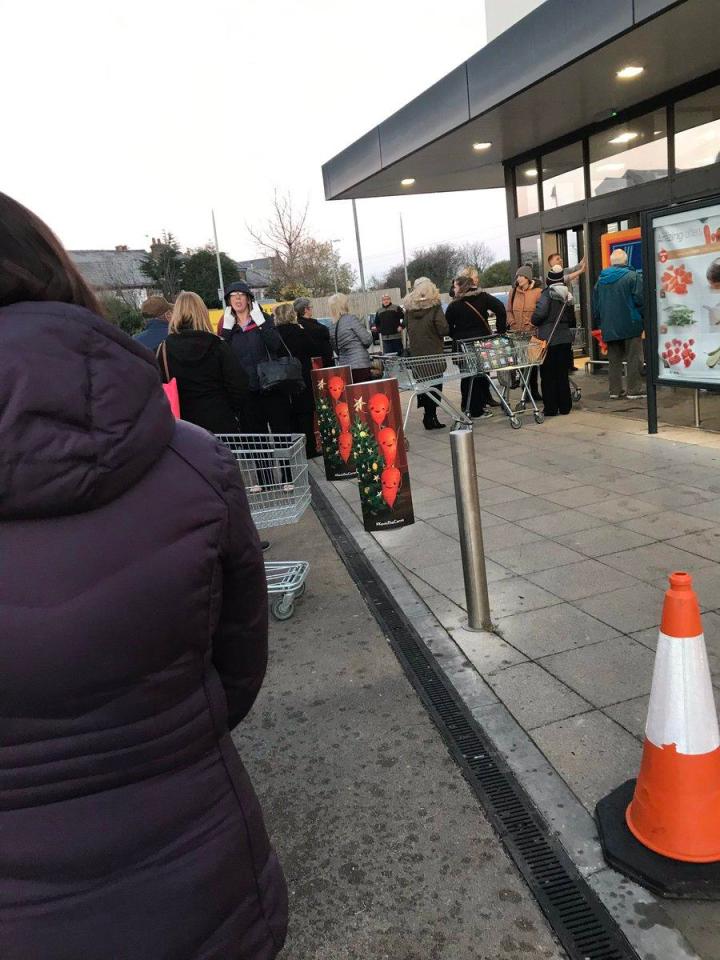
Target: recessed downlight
[[480, 146], [630, 72], [624, 137], [531, 173], [407, 182]]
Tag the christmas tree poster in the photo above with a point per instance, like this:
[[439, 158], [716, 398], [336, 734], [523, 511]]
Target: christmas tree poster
[[334, 421], [378, 448], [316, 363]]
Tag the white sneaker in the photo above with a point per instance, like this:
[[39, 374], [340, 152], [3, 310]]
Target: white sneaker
[[636, 396], [485, 415]]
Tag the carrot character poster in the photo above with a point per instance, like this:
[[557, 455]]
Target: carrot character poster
[[378, 447], [334, 421]]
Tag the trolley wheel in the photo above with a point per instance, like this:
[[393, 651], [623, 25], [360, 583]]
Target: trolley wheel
[[515, 422], [577, 394], [539, 417], [300, 592], [520, 406], [282, 609]]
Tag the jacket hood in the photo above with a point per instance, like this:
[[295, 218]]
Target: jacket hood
[[612, 274], [191, 346], [82, 411], [469, 294], [558, 291], [424, 294]]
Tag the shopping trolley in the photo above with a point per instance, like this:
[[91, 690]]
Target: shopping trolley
[[579, 343], [505, 354], [424, 375], [274, 469]]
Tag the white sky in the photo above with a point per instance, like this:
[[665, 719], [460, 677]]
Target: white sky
[[121, 122]]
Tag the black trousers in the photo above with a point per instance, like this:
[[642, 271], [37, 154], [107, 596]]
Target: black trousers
[[479, 398], [554, 379], [426, 403], [268, 413]]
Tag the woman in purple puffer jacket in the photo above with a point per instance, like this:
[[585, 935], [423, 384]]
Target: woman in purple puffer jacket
[[133, 638]]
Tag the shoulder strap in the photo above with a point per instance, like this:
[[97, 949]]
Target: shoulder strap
[[161, 355], [476, 311], [557, 321]]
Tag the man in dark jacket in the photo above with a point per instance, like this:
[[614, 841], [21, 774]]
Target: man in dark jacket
[[617, 309], [157, 312], [388, 323], [467, 317], [319, 333]]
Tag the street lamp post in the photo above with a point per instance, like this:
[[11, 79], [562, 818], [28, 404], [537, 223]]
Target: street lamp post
[[334, 267], [402, 239], [359, 248], [221, 290]]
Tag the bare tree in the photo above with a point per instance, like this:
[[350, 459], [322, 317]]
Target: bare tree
[[283, 235], [477, 254]]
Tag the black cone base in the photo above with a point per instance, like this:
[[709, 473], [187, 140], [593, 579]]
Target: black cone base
[[674, 879]]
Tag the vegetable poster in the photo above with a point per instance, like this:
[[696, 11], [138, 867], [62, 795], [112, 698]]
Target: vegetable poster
[[378, 447], [334, 420], [687, 264]]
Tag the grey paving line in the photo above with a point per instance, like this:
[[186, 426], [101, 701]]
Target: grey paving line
[[639, 914]]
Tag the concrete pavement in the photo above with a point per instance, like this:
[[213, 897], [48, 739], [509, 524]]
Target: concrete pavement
[[583, 519], [386, 851]]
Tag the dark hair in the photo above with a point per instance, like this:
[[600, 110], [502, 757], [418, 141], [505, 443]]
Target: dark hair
[[34, 264], [713, 271]]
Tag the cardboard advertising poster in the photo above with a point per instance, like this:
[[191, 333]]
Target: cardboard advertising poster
[[379, 453], [334, 421], [687, 296], [316, 363]]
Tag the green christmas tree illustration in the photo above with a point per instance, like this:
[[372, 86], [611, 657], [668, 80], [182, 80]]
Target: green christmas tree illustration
[[329, 432], [369, 463]]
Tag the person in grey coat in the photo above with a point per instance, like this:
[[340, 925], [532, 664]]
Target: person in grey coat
[[351, 339], [552, 317]]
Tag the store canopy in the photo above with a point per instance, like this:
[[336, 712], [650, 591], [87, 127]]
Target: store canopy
[[551, 74]]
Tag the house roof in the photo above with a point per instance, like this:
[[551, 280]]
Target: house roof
[[550, 75], [258, 272], [112, 269]]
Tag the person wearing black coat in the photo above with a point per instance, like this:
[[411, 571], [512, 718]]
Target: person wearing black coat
[[467, 317], [389, 322], [552, 317], [318, 332], [211, 383], [300, 345], [254, 339]]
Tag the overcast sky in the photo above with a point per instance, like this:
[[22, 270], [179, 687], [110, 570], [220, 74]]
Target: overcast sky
[[123, 120]]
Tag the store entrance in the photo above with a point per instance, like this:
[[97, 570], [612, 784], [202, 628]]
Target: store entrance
[[570, 244]]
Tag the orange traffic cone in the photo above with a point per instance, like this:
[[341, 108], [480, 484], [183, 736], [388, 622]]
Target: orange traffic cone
[[676, 807], [663, 830]]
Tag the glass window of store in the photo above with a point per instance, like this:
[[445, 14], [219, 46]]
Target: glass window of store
[[531, 252], [630, 154], [697, 130], [526, 189], [563, 176]]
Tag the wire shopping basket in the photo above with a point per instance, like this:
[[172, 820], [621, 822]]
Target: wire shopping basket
[[274, 469], [426, 374]]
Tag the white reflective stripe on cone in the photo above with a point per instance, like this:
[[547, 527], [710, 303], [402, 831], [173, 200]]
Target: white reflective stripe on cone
[[682, 705]]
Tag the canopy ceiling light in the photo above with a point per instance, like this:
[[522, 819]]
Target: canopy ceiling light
[[481, 146], [407, 182], [531, 173], [629, 72], [624, 137]]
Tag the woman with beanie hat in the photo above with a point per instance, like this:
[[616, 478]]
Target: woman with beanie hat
[[254, 339], [524, 298]]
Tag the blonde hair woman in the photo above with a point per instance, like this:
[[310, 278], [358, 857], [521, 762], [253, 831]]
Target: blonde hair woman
[[299, 344], [427, 329], [211, 383], [350, 338]]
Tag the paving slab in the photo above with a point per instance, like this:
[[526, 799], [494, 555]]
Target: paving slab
[[616, 509], [586, 578], [710, 510], [531, 557], [487, 652], [633, 484], [503, 535], [606, 672], [630, 714], [551, 629], [704, 543], [557, 524], [577, 497], [591, 752], [603, 539], [535, 697], [711, 629], [655, 561], [523, 508], [439, 506], [667, 525], [628, 610], [517, 595], [676, 496]]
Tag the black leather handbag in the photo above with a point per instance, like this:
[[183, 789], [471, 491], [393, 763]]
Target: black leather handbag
[[282, 375]]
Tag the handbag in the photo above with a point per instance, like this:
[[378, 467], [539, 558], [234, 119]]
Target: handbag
[[170, 385], [538, 348], [283, 374]]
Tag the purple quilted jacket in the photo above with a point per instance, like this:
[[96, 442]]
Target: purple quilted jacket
[[133, 630]]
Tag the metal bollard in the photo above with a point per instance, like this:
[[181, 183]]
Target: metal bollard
[[471, 539]]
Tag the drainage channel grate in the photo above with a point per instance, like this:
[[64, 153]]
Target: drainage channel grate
[[580, 921]]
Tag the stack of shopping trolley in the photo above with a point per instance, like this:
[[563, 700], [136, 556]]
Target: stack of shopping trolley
[[274, 469]]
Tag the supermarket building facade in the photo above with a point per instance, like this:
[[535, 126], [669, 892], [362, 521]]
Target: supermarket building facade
[[588, 114]]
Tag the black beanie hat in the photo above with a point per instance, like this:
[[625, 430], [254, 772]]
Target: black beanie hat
[[239, 286]]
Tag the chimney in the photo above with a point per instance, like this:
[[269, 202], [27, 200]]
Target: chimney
[[121, 248]]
